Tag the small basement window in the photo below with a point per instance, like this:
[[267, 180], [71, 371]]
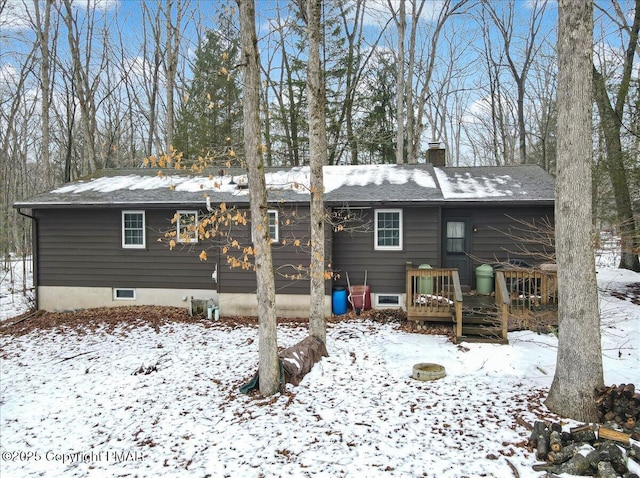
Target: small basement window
[[387, 300], [124, 294]]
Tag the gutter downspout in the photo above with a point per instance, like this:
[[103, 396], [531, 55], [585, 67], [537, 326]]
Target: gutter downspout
[[34, 246]]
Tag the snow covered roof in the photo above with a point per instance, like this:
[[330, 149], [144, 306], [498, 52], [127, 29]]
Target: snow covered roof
[[384, 183]]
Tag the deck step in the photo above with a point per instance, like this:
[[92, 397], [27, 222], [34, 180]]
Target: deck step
[[482, 331], [482, 327], [479, 310], [483, 340], [480, 319]]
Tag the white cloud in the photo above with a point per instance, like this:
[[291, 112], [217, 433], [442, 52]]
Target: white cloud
[[102, 5], [99, 5], [8, 75], [16, 14], [378, 13], [478, 109], [537, 4]]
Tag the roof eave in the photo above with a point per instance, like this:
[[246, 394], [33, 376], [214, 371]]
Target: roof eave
[[332, 203]]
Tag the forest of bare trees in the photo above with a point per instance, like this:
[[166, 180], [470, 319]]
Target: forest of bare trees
[[93, 84]]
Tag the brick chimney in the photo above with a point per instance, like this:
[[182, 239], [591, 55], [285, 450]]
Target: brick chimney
[[435, 154]]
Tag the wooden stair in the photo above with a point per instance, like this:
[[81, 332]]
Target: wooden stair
[[435, 295], [481, 328], [481, 323]]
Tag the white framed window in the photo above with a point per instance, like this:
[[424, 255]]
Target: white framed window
[[133, 230], [124, 294], [456, 237], [387, 300], [274, 228], [187, 227], [388, 230]]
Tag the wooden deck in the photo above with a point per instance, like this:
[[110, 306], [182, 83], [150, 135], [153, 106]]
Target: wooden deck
[[435, 295]]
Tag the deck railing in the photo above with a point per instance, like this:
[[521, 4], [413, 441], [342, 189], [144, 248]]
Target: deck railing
[[433, 294], [530, 289], [503, 302], [436, 295]]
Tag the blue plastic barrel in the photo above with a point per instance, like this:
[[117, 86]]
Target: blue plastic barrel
[[339, 300]]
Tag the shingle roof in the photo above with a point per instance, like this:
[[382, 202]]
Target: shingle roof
[[490, 183], [343, 184]]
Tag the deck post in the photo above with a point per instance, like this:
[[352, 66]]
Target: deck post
[[432, 294], [407, 287], [457, 302], [503, 303]]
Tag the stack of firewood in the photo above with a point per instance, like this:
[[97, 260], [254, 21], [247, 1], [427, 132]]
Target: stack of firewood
[[587, 450], [619, 404]]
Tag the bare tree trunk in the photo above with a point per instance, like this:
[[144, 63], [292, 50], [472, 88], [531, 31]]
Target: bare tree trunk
[[317, 159], [343, 130], [12, 151], [292, 111], [42, 24], [284, 93], [408, 85], [401, 23], [268, 369], [152, 85], [542, 132], [415, 125], [611, 117], [264, 98], [172, 50], [579, 362], [68, 157], [505, 27], [352, 73], [132, 98], [495, 92], [614, 164], [84, 87]]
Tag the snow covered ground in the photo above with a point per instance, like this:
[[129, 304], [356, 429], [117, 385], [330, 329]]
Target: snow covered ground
[[70, 404], [16, 275]]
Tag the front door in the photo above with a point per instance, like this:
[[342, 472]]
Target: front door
[[456, 245]]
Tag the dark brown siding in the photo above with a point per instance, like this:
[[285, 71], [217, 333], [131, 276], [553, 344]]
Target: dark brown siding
[[354, 252], [290, 255], [82, 247], [496, 231]]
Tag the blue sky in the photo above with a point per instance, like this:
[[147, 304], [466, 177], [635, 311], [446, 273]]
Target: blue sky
[[16, 37], [128, 15]]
